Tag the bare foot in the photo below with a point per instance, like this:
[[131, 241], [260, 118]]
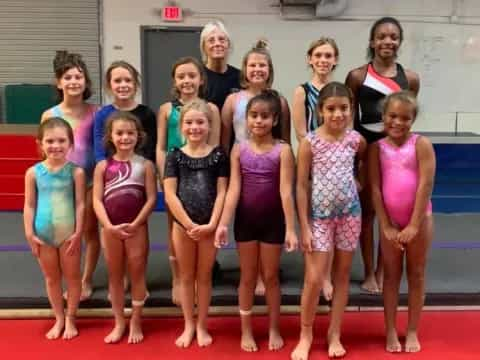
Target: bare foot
[[247, 343], [87, 291], [116, 334], [260, 288], [335, 347], [56, 330], [184, 340], [411, 342], [135, 334], [176, 293], [203, 337], [327, 290], [275, 340], [370, 285], [302, 349], [393, 344], [70, 328]]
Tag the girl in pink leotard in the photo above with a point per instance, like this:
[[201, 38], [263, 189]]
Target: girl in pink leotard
[[401, 169]]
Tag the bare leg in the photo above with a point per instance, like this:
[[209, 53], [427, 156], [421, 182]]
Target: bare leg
[[248, 254], [186, 250], [173, 262], [49, 261], [115, 258], [416, 261], [92, 248], [343, 264], [270, 261], [136, 249], [393, 268], [327, 288], [260, 285], [315, 269], [71, 269], [205, 260]]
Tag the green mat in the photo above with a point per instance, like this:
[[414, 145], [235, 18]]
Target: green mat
[[25, 103]]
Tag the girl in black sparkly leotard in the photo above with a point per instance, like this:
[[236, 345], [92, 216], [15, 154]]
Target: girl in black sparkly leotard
[[195, 183]]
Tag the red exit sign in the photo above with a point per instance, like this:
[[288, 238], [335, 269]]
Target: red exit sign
[[172, 13]]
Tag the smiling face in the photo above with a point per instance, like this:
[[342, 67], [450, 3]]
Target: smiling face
[[187, 79], [216, 45], [122, 84], [386, 41], [336, 113], [124, 135], [398, 119], [257, 69], [55, 143], [195, 126], [323, 59], [72, 83]]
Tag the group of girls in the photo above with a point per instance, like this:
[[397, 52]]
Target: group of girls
[[204, 190]]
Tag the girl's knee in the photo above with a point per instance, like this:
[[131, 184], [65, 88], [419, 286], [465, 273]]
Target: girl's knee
[[271, 280]]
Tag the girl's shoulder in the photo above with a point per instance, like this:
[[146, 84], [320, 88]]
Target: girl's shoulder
[[105, 110]]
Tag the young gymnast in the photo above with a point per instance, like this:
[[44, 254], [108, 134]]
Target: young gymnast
[[124, 195], [53, 218], [330, 216], [195, 183], [370, 83], [74, 87], [402, 170], [322, 57], [260, 192], [188, 84]]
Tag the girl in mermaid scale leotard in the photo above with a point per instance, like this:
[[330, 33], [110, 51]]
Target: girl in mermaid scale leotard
[[260, 193], [402, 169], [124, 195], [195, 182], [53, 218]]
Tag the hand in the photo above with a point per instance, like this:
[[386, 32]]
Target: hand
[[221, 236], [74, 242], [391, 234], [359, 185], [131, 228], [199, 232], [406, 235], [307, 238], [291, 241], [118, 231], [35, 243]]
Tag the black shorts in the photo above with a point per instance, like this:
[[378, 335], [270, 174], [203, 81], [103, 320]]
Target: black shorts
[[268, 229]]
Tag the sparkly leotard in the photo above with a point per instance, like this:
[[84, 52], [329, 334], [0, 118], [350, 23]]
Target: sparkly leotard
[[335, 205], [259, 214], [399, 169], [124, 191], [55, 213], [197, 180]]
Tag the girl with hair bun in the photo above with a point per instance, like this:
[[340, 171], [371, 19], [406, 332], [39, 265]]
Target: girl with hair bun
[[74, 87]]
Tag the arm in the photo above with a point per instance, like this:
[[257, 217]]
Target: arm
[[214, 138], [287, 176], [298, 113], [231, 199], [29, 208], [375, 179], [162, 130], [98, 133], [102, 216], [80, 190], [285, 121], [227, 120], [361, 164], [151, 130], [413, 81], [354, 81], [303, 187], [151, 198], [426, 173]]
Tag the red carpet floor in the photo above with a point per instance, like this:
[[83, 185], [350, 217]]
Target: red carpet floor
[[444, 335]]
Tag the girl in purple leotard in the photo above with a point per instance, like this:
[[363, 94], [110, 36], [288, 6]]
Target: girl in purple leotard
[[260, 190]]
